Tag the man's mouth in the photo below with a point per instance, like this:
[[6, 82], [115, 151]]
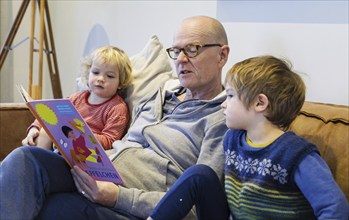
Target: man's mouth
[[183, 72]]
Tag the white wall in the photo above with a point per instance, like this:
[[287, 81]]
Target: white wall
[[319, 50]]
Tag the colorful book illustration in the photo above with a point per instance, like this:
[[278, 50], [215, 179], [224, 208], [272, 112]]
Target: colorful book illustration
[[72, 136]]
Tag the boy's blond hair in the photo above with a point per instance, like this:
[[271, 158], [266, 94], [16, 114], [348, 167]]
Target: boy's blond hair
[[274, 78], [110, 55]]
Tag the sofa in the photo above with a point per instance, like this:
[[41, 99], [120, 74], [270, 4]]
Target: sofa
[[326, 125]]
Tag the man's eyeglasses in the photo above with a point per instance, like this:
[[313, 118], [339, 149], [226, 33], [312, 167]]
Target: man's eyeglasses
[[191, 50]]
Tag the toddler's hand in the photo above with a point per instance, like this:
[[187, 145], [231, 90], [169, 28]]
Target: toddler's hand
[[31, 136]]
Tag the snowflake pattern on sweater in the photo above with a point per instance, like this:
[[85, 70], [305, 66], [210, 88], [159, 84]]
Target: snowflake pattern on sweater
[[263, 167]]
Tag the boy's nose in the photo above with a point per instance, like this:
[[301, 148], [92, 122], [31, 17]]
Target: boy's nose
[[224, 105]]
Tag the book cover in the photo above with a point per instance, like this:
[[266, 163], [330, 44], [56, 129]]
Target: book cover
[[72, 136]]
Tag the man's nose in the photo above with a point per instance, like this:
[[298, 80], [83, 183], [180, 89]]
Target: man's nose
[[182, 56]]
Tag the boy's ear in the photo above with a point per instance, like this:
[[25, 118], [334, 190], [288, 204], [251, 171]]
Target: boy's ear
[[261, 103]]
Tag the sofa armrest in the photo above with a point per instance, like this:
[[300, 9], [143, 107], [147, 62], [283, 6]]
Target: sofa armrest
[[327, 126], [14, 121]]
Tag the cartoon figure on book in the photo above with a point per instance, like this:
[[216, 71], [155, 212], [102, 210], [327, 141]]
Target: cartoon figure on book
[[270, 173], [107, 70], [80, 152]]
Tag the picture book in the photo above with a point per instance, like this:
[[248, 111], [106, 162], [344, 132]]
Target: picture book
[[72, 136]]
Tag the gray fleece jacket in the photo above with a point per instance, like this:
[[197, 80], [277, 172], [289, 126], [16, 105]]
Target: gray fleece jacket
[[159, 147]]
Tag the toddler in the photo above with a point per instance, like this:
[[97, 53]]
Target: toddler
[[104, 110]]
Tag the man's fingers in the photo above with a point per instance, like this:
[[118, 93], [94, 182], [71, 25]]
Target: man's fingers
[[83, 179], [83, 182]]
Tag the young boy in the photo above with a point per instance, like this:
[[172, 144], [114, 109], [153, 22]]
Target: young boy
[[270, 173], [109, 70]]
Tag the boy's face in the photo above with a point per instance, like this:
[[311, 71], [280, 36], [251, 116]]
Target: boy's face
[[103, 79], [237, 116]]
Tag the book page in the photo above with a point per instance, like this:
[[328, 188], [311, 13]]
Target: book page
[[25, 95], [73, 138]]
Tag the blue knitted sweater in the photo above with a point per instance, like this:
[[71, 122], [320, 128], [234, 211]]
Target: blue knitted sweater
[[259, 183]]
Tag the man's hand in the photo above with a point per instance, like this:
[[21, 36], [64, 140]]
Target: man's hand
[[104, 193], [31, 136]]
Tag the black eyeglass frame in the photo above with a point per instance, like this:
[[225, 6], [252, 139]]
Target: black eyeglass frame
[[198, 47]]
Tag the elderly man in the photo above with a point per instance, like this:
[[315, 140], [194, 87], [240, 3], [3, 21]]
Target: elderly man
[[174, 129]]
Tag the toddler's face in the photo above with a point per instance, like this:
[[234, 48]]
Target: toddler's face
[[237, 116], [103, 79]]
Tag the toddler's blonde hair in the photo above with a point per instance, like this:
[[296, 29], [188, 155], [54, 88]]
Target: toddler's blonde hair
[[110, 55]]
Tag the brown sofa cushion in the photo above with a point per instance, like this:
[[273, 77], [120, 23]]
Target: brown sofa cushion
[[327, 126]]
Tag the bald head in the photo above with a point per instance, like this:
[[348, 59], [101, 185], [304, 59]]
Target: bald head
[[200, 73], [209, 29]]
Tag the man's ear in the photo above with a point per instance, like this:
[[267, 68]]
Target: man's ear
[[261, 102], [224, 55]]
